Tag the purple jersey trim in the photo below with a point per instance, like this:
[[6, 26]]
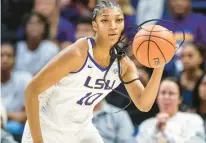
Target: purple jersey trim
[[82, 65]]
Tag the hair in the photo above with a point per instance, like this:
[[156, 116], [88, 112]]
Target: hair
[[101, 5], [196, 95], [196, 46], [42, 19], [200, 49], [176, 81], [11, 44]]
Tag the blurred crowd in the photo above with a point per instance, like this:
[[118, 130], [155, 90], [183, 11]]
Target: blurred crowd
[[34, 31]]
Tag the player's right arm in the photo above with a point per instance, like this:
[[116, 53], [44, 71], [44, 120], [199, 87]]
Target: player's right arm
[[70, 59]]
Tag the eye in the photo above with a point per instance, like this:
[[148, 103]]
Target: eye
[[104, 21], [120, 19]]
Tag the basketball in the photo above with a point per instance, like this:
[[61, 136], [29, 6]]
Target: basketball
[[154, 46]]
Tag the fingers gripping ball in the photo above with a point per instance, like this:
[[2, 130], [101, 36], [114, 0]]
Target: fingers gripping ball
[[154, 46]]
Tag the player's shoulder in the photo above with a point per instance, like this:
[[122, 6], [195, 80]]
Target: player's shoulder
[[79, 48]]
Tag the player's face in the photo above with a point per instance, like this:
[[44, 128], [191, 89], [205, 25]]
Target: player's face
[[84, 30], [7, 57], [202, 88], [35, 27], [109, 24], [168, 97], [190, 57]]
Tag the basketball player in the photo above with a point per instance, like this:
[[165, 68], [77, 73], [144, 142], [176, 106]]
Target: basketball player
[[60, 99]]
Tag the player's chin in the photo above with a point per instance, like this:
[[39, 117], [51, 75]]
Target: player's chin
[[113, 40]]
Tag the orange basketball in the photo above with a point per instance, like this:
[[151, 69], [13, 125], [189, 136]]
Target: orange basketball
[[154, 46]]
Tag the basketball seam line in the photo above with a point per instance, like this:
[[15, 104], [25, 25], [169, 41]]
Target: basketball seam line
[[156, 45], [157, 37], [149, 45], [160, 51]]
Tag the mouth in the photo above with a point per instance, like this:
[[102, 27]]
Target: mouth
[[112, 35]]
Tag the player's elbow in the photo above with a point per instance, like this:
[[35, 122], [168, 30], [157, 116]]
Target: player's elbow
[[144, 107]]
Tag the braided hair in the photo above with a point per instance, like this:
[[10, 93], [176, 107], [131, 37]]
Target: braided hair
[[104, 4]]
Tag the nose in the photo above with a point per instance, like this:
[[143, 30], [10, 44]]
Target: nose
[[113, 25]]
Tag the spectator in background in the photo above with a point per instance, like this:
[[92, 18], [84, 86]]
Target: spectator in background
[[152, 9], [113, 127], [35, 50], [192, 59], [5, 137], [199, 98], [192, 23], [170, 125], [13, 84], [129, 17], [73, 10], [84, 28], [61, 31]]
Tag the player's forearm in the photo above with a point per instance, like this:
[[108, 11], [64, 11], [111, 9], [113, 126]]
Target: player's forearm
[[149, 94], [32, 111]]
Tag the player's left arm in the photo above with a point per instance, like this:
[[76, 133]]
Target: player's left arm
[[142, 97]]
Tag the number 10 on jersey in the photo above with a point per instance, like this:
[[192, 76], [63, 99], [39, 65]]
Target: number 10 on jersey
[[86, 100]]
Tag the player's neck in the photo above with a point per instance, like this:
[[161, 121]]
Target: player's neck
[[102, 46], [101, 52], [5, 76]]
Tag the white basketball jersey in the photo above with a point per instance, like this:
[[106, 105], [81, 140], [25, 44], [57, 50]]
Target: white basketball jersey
[[72, 99]]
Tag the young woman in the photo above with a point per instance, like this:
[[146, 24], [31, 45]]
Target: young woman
[[192, 59], [60, 99], [35, 44]]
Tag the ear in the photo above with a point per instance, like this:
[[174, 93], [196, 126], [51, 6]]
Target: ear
[[94, 26]]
